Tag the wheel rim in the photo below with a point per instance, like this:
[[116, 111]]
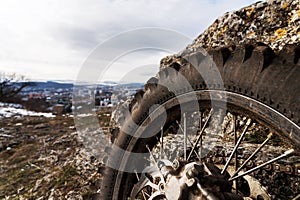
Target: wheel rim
[[236, 103]]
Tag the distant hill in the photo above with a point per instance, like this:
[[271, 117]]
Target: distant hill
[[52, 84], [132, 85], [56, 85], [48, 85]]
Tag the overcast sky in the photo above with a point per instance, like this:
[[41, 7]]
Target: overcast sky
[[51, 39]]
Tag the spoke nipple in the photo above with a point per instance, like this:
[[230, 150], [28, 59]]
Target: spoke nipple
[[250, 164], [270, 135], [297, 168], [289, 151], [248, 122]]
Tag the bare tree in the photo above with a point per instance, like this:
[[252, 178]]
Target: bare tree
[[11, 85]]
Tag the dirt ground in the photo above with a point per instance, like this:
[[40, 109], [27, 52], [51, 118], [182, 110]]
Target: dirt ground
[[42, 158]]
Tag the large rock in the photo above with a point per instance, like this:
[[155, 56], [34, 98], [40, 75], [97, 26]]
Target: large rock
[[274, 23]]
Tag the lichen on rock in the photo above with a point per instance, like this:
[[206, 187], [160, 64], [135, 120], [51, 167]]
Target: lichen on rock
[[274, 23]]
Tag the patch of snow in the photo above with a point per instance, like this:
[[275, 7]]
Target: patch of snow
[[6, 136], [12, 110], [85, 115], [12, 105]]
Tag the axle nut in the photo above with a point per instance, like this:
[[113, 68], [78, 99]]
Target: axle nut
[[176, 164]]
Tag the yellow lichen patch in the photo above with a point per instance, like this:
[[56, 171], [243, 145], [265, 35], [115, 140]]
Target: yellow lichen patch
[[251, 34], [272, 39], [249, 11], [223, 30], [298, 12], [280, 32], [285, 5]]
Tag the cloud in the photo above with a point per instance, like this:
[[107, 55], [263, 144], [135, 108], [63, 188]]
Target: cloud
[[76, 37], [50, 39]]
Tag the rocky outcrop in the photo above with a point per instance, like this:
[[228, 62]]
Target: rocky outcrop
[[275, 23]]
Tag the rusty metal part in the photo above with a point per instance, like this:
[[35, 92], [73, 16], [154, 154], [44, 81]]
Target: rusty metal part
[[284, 168], [183, 180], [287, 153], [289, 169], [178, 179], [247, 162]]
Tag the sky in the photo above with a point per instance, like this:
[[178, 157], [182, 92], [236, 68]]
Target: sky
[[53, 39]]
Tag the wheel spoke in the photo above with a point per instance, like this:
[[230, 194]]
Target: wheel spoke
[[198, 156], [148, 195], [236, 146], [200, 134], [156, 164], [189, 140], [253, 154], [184, 135], [235, 142], [196, 148], [153, 158], [138, 178], [236, 153], [287, 153], [200, 127], [297, 197], [161, 142]]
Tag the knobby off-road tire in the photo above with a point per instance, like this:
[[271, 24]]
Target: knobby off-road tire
[[252, 74]]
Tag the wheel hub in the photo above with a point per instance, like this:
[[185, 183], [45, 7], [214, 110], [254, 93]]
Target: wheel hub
[[183, 180]]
